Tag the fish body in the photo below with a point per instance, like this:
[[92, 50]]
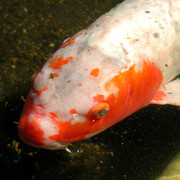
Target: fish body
[[122, 62]]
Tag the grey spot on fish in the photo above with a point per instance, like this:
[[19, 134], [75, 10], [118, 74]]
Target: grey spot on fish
[[156, 35]]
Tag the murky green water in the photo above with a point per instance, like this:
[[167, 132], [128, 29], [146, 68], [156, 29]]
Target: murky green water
[[138, 148]]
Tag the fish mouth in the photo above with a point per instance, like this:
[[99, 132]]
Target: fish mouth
[[36, 127], [37, 132]]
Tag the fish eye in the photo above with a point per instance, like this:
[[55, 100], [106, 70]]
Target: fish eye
[[100, 110]]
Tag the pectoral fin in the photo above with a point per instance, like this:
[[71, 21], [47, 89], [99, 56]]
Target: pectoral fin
[[168, 94]]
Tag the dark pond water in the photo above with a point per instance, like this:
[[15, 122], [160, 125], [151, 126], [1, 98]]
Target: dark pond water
[[138, 148]]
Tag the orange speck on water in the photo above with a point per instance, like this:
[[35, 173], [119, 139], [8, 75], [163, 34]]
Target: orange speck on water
[[58, 63], [95, 72], [73, 111]]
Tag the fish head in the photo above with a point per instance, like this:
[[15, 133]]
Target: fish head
[[80, 92]]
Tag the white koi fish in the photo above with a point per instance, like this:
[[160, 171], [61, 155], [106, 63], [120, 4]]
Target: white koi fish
[[127, 59]]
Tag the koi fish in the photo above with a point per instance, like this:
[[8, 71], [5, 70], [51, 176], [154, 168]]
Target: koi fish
[[128, 58]]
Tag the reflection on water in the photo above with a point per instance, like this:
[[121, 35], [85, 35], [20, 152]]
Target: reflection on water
[[172, 172]]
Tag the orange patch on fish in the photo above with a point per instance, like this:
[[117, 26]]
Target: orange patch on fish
[[135, 89], [73, 111], [68, 42], [69, 132], [99, 98], [55, 74], [36, 76], [52, 75], [58, 63], [89, 51], [95, 72], [31, 131], [160, 95], [40, 91]]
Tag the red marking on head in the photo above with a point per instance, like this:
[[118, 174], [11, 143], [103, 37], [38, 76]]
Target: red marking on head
[[79, 84], [30, 131], [71, 40], [89, 51], [70, 133], [160, 95], [58, 63], [135, 89], [39, 92], [68, 42], [99, 98], [72, 111], [95, 72], [55, 74], [36, 76]]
